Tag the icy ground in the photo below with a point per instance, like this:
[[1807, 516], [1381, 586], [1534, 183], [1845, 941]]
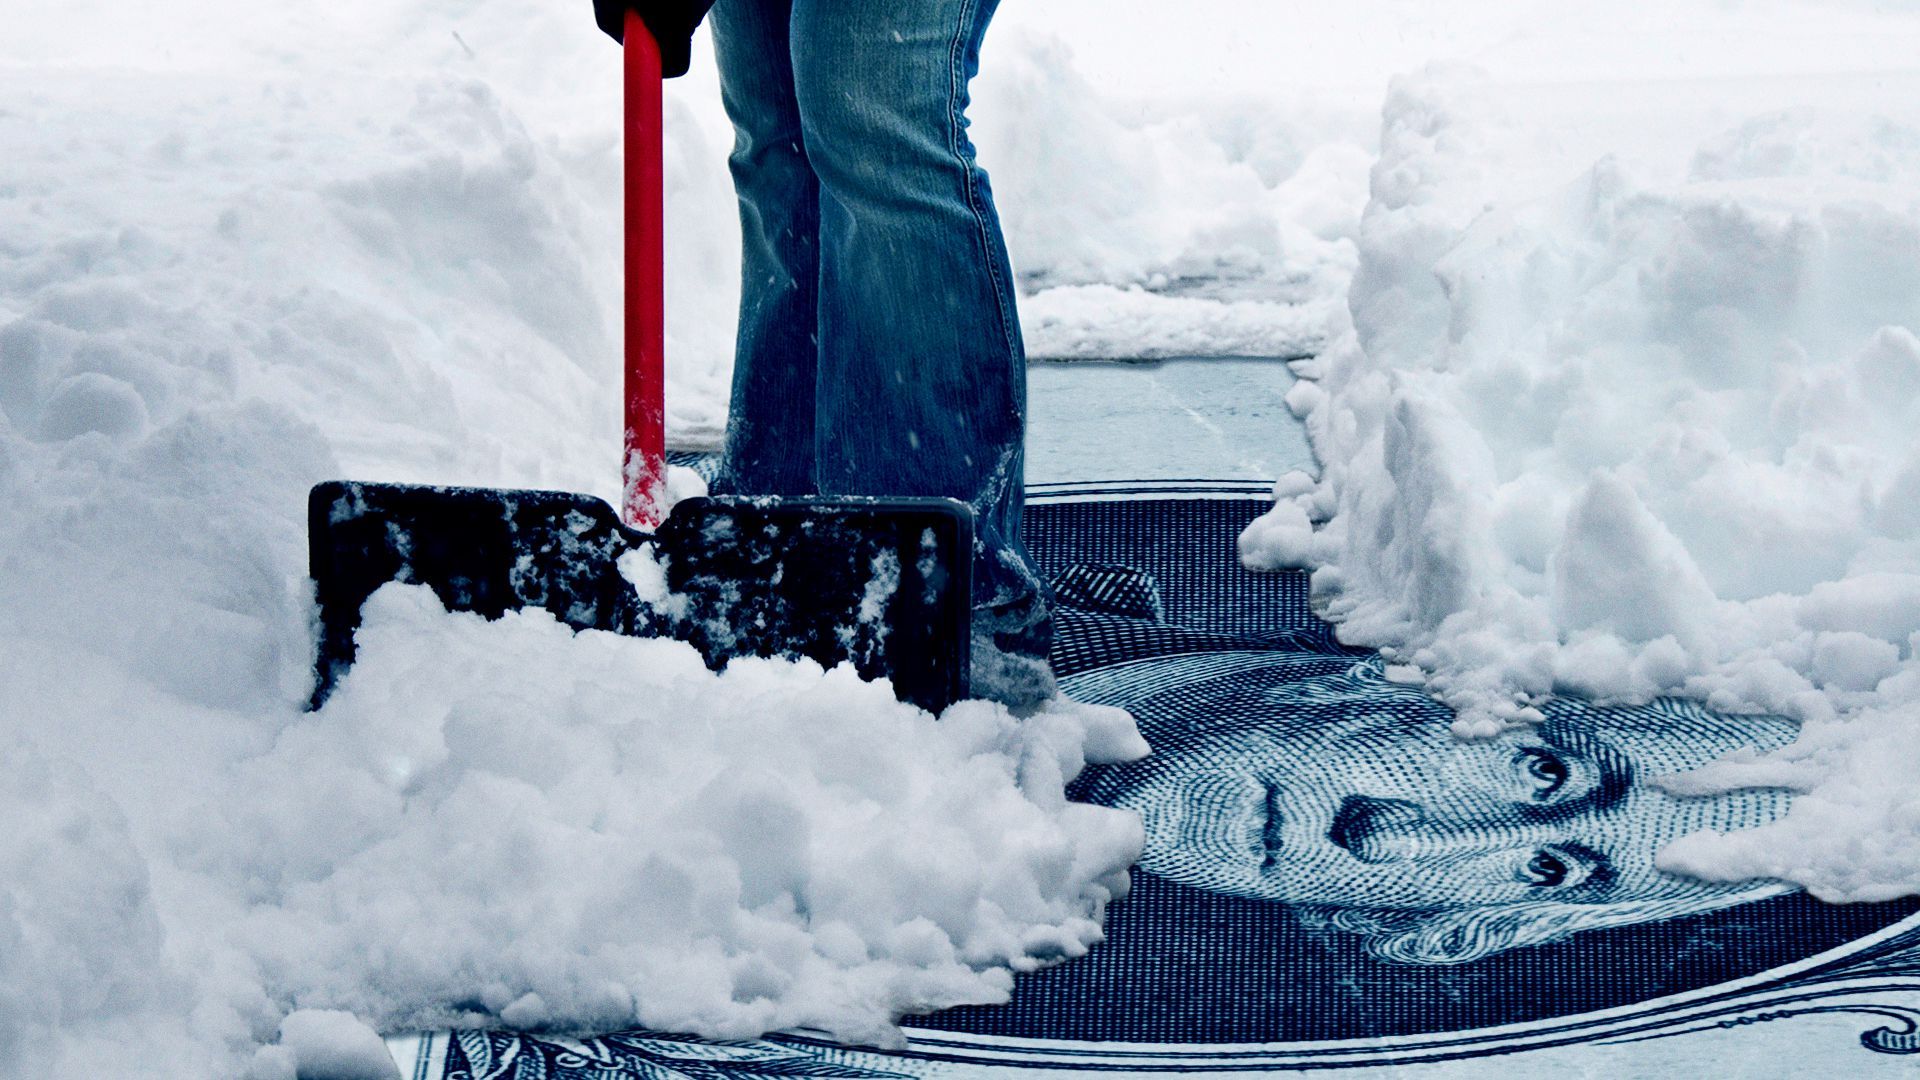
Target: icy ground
[[1186, 418], [1645, 428]]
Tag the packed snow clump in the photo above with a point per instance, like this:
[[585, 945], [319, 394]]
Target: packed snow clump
[[328, 1044], [1601, 432]]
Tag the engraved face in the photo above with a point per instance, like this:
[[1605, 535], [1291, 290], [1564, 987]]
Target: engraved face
[[1312, 780]]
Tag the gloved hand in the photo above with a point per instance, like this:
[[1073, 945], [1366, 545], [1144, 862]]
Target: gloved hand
[[672, 23]]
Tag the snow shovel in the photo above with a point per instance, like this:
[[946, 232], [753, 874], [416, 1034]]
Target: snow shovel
[[882, 583]]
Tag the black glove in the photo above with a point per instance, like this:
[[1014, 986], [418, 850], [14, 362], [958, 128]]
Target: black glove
[[672, 23]]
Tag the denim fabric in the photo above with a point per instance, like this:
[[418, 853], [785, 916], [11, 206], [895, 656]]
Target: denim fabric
[[879, 349]]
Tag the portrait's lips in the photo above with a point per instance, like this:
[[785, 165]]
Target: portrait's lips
[[1270, 827]]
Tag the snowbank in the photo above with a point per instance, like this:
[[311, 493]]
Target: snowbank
[[243, 250], [1621, 431], [508, 822], [1212, 229], [1104, 322]]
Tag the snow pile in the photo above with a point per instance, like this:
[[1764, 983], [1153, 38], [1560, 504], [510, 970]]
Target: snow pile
[[1625, 435], [420, 259], [507, 820], [1102, 322], [245, 250], [1203, 233]]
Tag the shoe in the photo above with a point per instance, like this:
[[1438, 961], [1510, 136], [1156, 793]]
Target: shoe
[[1009, 662]]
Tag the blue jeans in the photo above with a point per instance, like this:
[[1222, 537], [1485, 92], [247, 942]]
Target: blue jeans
[[879, 349]]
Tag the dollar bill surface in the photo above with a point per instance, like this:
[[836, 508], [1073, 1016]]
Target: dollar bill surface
[[1334, 882]]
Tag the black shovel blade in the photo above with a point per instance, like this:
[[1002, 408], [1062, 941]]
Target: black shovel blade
[[883, 583]]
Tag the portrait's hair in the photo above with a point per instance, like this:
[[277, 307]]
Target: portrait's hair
[[1460, 935]]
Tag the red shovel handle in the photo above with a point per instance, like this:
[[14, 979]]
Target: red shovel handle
[[644, 473]]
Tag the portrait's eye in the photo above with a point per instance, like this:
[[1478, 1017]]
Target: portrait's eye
[[1544, 870], [1543, 773]]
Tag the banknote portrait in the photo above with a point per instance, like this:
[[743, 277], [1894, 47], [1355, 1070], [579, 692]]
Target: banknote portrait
[[1333, 878], [1326, 859], [1348, 796]]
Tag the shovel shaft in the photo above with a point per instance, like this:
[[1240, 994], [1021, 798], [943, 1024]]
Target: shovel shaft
[[644, 466]]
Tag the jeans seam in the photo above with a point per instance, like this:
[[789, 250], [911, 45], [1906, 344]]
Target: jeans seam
[[963, 39], [963, 36]]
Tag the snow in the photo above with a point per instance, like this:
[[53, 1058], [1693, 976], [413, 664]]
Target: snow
[[1617, 405], [595, 830], [328, 1044], [1620, 419], [508, 822], [1106, 322], [1140, 234], [243, 251]]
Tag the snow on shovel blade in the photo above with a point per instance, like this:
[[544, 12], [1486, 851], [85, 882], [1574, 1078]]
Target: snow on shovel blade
[[883, 583]]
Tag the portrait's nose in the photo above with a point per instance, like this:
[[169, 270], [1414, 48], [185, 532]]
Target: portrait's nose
[[1378, 830]]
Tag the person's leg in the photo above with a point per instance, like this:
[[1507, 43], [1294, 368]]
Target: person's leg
[[770, 428], [922, 380]]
